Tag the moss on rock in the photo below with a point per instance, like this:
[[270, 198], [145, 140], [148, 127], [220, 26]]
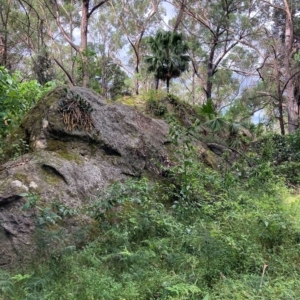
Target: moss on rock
[[70, 156]]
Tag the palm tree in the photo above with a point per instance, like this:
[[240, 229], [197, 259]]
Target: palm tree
[[169, 58]]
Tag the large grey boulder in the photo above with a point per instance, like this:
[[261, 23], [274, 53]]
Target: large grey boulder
[[69, 162]]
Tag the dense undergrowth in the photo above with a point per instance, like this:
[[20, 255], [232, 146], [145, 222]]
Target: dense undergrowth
[[16, 98], [200, 234]]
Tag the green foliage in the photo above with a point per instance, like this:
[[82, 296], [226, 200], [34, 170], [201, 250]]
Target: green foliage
[[216, 124], [6, 284], [208, 109], [282, 148], [169, 59], [154, 104], [198, 234], [43, 215], [297, 57], [106, 77], [162, 104], [16, 98], [13, 147], [152, 247], [42, 67], [283, 152]]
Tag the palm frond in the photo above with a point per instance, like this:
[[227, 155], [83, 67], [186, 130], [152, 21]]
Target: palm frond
[[216, 124]]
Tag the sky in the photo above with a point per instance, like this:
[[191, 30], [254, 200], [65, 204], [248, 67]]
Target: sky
[[170, 13]]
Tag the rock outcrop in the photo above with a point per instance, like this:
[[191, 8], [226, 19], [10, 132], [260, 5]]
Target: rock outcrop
[[78, 145]]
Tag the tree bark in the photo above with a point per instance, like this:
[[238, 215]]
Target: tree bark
[[136, 72], [291, 106], [277, 75], [210, 72], [180, 15], [83, 45], [156, 83], [168, 85], [4, 14]]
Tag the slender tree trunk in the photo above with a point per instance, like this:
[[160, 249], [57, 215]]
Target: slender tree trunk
[[83, 46], [292, 105], [156, 83], [136, 80], [281, 122], [210, 72], [71, 36], [279, 92], [136, 48], [292, 109], [193, 88], [168, 85], [4, 38], [5, 50], [104, 77]]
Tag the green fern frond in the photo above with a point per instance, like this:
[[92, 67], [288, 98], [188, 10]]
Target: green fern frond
[[6, 285]]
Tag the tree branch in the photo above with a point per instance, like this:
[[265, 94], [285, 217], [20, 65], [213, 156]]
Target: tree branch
[[63, 32], [65, 71], [284, 87], [273, 5], [96, 7]]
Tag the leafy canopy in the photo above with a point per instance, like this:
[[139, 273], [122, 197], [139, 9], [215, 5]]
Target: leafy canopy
[[169, 56]]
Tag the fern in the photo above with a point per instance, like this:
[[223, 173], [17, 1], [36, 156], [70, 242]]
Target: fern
[[6, 284], [183, 289]]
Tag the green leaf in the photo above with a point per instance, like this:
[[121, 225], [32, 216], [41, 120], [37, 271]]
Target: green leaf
[[208, 108], [216, 124], [26, 206], [23, 194]]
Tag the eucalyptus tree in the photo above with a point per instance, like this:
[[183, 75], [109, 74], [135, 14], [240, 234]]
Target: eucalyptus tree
[[292, 104], [282, 45], [18, 33], [169, 56], [5, 43], [215, 29], [133, 21], [41, 45], [58, 12], [36, 54], [106, 44]]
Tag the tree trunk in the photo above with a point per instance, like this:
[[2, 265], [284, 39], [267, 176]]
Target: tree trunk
[[4, 38], [292, 108], [156, 83], [193, 88], [168, 85], [288, 49], [136, 48], [71, 48], [83, 46], [180, 15], [277, 75], [281, 122], [136, 80], [210, 72]]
